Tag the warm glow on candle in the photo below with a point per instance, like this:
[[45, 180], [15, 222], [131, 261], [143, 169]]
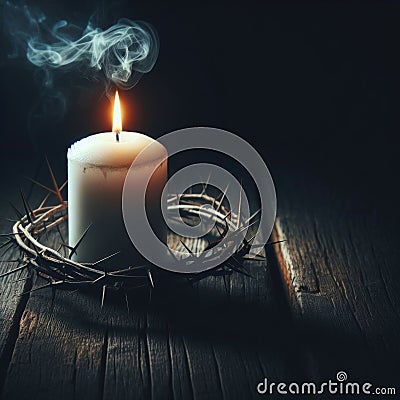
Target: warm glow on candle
[[117, 119]]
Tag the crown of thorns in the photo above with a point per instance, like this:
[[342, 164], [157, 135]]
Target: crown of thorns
[[32, 227]]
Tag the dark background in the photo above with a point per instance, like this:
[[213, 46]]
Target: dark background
[[314, 87]]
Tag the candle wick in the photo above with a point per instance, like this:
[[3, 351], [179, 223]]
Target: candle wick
[[117, 135]]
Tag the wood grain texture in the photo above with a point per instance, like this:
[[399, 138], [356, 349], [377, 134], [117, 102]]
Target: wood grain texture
[[213, 340], [196, 342], [338, 267], [328, 300], [58, 353], [12, 286]]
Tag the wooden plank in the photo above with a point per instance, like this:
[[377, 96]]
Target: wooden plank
[[203, 342], [339, 268], [59, 350], [209, 343], [193, 344], [12, 286], [12, 306], [34, 364]]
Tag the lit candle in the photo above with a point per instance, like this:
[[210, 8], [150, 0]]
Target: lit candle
[[97, 168]]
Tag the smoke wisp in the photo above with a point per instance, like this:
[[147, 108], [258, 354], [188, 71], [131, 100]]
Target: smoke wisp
[[123, 52]]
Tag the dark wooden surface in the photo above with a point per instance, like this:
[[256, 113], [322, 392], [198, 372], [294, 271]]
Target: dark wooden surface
[[340, 267], [327, 300]]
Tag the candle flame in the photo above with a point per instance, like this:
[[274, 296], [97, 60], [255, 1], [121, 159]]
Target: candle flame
[[117, 119]]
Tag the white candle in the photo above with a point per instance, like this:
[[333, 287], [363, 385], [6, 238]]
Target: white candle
[[97, 168]]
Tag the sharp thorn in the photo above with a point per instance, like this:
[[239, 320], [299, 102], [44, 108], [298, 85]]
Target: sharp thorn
[[56, 188], [219, 231], [28, 214], [276, 242], [10, 219], [42, 186], [150, 278], [222, 198], [62, 244], [239, 213], [50, 284], [63, 185], [187, 248], [105, 258], [103, 295], [21, 267], [227, 215], [240, 271], [73, 250], [205, 185], [243, 228], [43, 202], [252, 216], [8, 234]]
